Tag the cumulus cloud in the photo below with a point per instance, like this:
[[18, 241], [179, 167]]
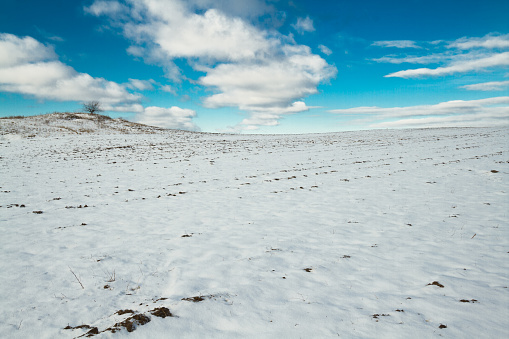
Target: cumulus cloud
[[29, 67], [245, 66], [304, 25], [17, 51], [172, 31], [396, 44], [488, 86], [273, 83], [480, 112], [173, 117]]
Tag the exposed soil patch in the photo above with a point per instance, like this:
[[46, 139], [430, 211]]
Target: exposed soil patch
[[308, 269], [77, 327], [130, 324], [93, 330], [194, 299], [120, 312], [15, 205], [273, 249], [161, 312], [436, 283], [376, 315], [468, 301]]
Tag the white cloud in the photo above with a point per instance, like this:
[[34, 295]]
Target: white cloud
[[475, 120], [412, 59], [304, 25], [17, 51], [325, 50], [270, 116], [100, 7], [171, 31], [244, 9], [272, 83], [494, 60], [141, 85], [173, 117], [245, 66], [448, 107], [489, 41], [396, 44], [468, 54], [488, 86], [29, 67], [169, 89], [482, 112]]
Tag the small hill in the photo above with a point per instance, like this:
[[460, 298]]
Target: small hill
[[55, 124]]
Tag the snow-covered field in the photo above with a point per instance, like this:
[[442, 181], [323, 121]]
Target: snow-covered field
[[372, 234]]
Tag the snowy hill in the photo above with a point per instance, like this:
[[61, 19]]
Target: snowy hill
[[373, 234], [55, 124]]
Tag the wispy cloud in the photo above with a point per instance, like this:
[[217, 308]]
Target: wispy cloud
[[490, 41], [474, 120], [396, 44], [468, 54], [495, 60], [141, 85], [107, 7], [488, 86], [448, 107], [325, 50], [245, 66], [304, 25], [413, 59], [480, 112]]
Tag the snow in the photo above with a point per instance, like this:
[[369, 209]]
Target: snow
[[282, 236], [48, 125]]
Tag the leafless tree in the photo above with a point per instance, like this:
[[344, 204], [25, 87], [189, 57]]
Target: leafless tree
[[92, 107]]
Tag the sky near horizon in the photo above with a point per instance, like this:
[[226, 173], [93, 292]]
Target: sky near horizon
[[260, 66]]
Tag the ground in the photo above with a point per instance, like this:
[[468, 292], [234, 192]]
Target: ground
[[385, 233]]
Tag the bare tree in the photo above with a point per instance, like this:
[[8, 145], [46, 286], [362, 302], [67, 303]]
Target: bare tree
[[92, 107]]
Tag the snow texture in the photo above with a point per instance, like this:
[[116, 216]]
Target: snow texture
[[372, 234]]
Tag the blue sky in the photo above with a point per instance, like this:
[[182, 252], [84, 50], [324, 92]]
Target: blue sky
[[260, 66]]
